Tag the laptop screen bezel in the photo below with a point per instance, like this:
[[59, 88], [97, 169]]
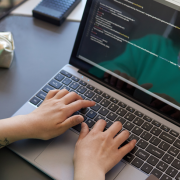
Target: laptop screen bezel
[[81, 65]]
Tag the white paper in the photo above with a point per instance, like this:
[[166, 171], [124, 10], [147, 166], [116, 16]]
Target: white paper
[[27, 7]]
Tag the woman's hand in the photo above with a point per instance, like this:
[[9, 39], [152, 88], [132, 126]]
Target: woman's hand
[[96, 152], [51, 119]]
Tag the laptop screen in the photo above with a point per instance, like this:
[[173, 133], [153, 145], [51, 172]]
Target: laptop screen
[[134, 46]]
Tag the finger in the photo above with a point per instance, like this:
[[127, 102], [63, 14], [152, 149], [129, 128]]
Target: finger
[[147, 86], [120, 138], [106, 75], [71, 97], [114, 79], [61, 94], [84, 131], [71, 121], [51, 94], [157, 103], [126, 149], [77, 105], [100, 125], [114, 129], [167, 108], [176, 115]]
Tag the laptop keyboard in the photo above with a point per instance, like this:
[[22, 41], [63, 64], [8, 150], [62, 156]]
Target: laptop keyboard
[[157, 149]]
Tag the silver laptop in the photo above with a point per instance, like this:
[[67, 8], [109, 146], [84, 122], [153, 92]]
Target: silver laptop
[[126, 58]]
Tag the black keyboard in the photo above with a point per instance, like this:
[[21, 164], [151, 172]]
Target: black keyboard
[[157, 148]]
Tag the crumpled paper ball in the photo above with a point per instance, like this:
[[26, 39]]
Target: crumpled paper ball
[[6, 49]]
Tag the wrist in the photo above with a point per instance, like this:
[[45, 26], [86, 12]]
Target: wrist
[[88, 172]]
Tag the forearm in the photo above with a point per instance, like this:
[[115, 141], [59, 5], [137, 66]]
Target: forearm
[[14, 129]]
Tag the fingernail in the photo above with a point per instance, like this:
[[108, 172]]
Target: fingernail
[[134, 141]]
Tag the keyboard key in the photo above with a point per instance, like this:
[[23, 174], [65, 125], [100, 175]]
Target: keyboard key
[[109, 123], [112, 116], [35, 100], [139, 114], [91, 114], [130, 109], [156, 173], [138, 121], [162, 166], [81, 90], [121, 120], [165, 177], [142, 144], [177, 143], [89, 94], [84, 110], [82, 83], [59, 77], [67, 81], [98, 117], [134, 149], [142, 154], [147, 126], [105, 102], [165, 128], [47, 88], [55, 84], [66, 87], [74, 85], [128, 126], [97, 98], [121, 112], [137, 130], [154, 140], [90, 123], [152, 160], [129, 157], [96, 107], [122, 104], [146, 168], [75, 78], [155, 151], [173, 151], [98, 91], [174, 133], [90, 87], [137, 162], [129, 116], [103, 111], [167, 158], [66, 73], [164, 146], [176, 164], [113, 107], [167, 137], [178, 156], [171, 171], [41, 95], [156, 131], [145, 135], [156, 123], [133, 137], [106, 95], [114, 100], [147, 118], [77, 127]]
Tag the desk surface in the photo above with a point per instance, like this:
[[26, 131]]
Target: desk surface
[[41, 50]]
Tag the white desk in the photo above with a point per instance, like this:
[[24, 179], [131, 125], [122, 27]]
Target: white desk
[[26, 10]]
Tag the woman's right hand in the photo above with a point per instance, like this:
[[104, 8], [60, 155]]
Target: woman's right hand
[[97, 151]]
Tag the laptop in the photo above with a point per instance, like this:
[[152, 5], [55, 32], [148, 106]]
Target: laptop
[[126, 59]]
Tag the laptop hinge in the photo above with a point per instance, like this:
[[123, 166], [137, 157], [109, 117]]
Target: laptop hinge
[[128, 97]]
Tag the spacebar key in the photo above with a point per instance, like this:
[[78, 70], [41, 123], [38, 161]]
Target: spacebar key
[[155, 151]]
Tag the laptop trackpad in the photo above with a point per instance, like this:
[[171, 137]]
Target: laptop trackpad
[[57, 158]]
